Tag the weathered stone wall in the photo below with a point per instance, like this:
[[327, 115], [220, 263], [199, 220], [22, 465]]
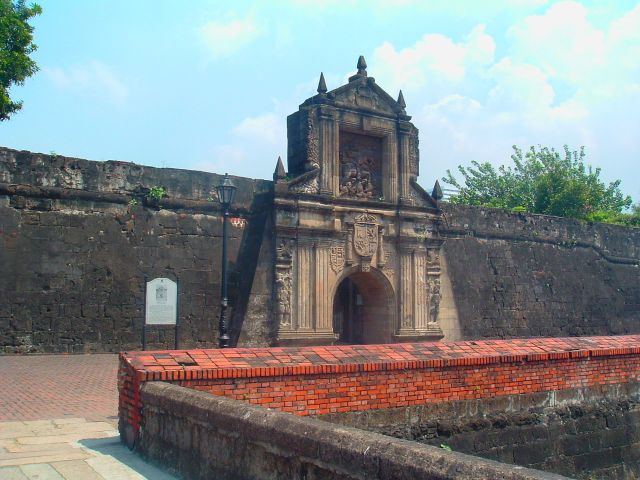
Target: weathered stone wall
[[74, 252], [583, 433], [200, 436], [521, 275]]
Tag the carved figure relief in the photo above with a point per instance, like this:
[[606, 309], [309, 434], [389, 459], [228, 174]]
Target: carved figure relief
[[284, 249], [312, 144], [336, 258], [433, 257], [414, 152], [434, 297], [283, 293], [360, 165], [364, 97]]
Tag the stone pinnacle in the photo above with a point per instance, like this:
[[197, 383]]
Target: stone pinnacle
[[401, 100], [279, 173], [322, 85], [437, 191], [362, 65]]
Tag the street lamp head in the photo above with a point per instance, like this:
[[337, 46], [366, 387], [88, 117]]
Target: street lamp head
[[226, 191]]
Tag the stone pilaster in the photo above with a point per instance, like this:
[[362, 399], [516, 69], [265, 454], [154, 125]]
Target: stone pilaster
[[305, 291], [420, 290], [407, 291], [403, 165], [323, 314], [391, 169], [328, 153]]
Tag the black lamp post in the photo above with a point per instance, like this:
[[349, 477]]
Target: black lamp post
[[226, 193]]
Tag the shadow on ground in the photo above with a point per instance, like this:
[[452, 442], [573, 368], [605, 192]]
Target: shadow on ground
[[112, 448]]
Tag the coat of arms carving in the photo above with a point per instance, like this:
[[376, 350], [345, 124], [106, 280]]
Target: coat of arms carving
[[336, 258], [365, 235]]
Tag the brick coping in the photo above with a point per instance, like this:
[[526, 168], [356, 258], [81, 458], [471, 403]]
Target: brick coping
[[284, 361]]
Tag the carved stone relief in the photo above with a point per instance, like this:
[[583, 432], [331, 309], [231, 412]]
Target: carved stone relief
[[284, 260], [389, 267], [284, 250], [360, 166], [283, 293], [309, 186], [336, 258], [363, 96], [434, 297], [365, 238], [414, 158], [313, 160]]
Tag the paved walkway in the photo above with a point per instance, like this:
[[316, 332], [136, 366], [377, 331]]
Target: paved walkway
[[40, 387], [58, 416]]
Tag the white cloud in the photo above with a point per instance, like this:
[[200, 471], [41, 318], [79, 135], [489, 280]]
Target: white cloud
[[94, 78], [519, 86], [268, 128], [226, 38], [434, 59], [562, 42], [223, 158], [564, 79]]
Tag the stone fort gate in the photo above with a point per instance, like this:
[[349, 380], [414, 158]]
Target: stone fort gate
[[357, 243]]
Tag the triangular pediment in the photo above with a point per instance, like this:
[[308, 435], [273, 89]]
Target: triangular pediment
[[365, 94]]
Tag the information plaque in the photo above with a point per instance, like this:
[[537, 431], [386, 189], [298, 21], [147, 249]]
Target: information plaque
[[161, 302]]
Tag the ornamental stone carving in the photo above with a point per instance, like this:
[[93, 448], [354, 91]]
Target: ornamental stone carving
[[284, 250], [313, 160], [360, 169], [365, 236], [357, 238], [283, 294], [336, 258]]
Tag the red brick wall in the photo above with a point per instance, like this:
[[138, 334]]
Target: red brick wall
[[317, 380]]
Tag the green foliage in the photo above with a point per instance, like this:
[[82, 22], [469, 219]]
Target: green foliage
[[133, 202], [16, 44], [545, 181], [445, 447], [157, 193], [629, 219]]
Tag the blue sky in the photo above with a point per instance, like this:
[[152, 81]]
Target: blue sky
[[207, 85]]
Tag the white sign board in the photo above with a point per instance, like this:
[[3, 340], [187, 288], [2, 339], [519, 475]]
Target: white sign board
[[161, 302]]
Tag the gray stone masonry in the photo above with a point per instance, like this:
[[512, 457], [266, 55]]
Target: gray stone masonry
[[201, 436]]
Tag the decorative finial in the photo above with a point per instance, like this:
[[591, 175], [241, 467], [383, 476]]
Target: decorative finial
[[401, 102], [362, 65], [437, 192], [322, 85], [279, 173]]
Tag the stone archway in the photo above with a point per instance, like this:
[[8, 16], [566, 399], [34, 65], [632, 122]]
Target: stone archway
[[363, 308]]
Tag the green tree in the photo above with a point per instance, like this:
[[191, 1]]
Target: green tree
[[545, 181], [16, 44]]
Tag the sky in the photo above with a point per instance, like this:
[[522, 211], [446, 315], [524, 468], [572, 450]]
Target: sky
[[207, 85]]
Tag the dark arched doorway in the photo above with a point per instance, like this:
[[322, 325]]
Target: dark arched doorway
[[363, 309]]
